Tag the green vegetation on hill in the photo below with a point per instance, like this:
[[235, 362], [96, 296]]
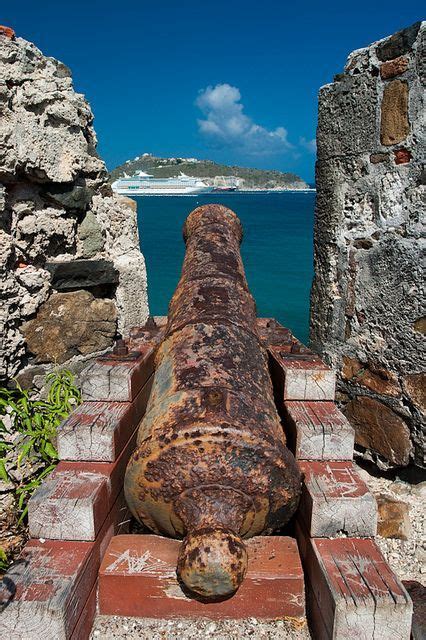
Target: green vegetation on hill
[[170, 167]]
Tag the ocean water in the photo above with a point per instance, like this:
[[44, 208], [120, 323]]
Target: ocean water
[[276, 249]]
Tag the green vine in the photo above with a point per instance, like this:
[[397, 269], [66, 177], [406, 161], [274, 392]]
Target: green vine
[[28, 434]]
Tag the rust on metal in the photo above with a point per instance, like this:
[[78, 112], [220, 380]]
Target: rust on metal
[[120, 348], [211, 465]]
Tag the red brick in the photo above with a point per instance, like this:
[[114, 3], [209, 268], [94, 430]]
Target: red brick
[[138, 578], [49, 592], [98, 431], [335, 499], [73, 502], [118, 380], [318, 431], [351, 591], [301, 376]]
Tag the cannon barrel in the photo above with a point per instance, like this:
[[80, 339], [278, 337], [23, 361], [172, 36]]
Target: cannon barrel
[[211, 465]]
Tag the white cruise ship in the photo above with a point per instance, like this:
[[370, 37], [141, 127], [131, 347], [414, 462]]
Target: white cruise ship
[[143, 184]]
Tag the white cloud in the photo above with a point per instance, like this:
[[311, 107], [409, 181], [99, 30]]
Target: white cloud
[[310, 145], [225, 123]]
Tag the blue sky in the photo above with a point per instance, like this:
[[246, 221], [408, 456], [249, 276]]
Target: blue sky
[[235, 81]]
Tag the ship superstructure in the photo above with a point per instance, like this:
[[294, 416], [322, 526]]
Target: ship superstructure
[[146, 184]]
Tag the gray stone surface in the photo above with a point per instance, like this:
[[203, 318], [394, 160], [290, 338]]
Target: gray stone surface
[[367, 298], [55, 205], [90, 235], [81, 274]]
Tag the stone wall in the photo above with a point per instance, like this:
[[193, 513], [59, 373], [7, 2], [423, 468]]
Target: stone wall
[[72, 275], [367, 303]]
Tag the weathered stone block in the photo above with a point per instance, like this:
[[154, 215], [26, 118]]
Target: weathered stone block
[[69, 324], [90, 234], [74, 501], [318, 431], [335, 499], [98, 431], [394, 126], [347, 117], [69, 505], [393, 518], [48, 592], [377, 380], [380, 429], [117, 381], [138, 578], [351, 591], [301, 377]]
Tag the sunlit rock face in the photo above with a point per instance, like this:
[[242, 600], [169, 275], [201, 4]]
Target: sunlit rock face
[[367, 304], [56, 207]]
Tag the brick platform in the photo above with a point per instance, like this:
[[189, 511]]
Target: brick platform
[[138, 578], [335, 499], [351, 591]]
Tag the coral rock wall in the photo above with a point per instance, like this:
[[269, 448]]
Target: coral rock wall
[[72, 275], [367, 303]]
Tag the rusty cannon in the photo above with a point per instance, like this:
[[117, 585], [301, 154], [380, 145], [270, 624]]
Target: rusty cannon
[[211, 465]]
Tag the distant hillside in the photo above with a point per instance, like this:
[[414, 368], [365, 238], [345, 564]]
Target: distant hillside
[[170, 167]]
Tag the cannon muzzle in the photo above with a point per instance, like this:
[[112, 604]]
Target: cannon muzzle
[[211, 465]]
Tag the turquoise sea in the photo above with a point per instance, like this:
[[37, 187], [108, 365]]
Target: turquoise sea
[[276, 249]]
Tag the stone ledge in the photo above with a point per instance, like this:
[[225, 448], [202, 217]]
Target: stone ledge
[[81, 274]]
